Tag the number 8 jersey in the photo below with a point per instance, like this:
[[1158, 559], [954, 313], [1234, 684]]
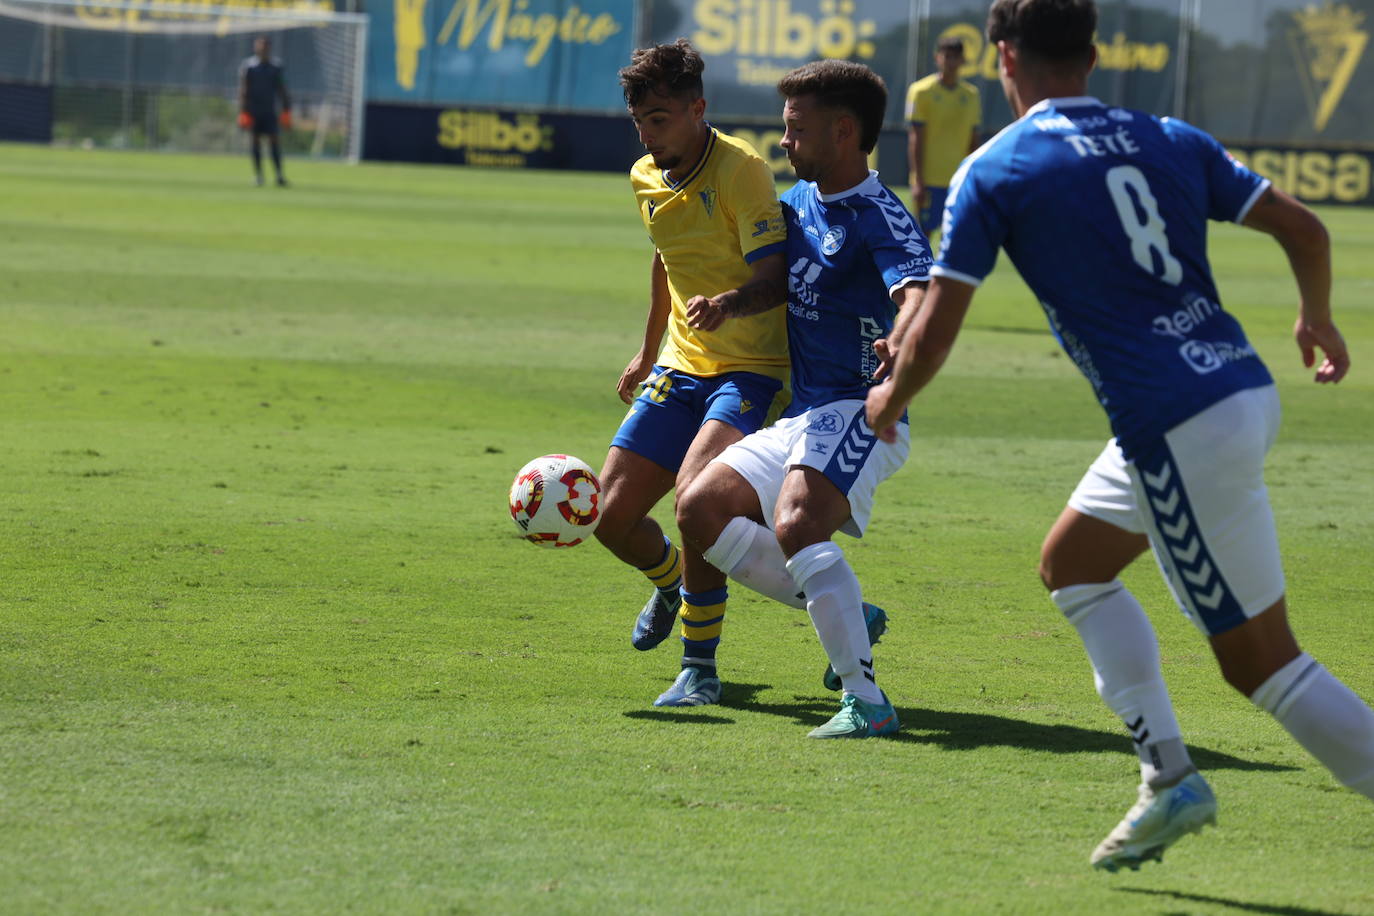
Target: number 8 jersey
[[1104, 212]]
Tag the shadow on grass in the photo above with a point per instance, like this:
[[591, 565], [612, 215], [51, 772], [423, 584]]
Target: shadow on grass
[[1276, 908], [687, 715], [736, 696], [954, 731]]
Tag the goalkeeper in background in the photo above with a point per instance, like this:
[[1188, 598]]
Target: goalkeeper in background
[[261, 84]]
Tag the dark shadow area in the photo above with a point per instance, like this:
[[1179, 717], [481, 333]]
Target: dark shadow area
[[965, 731], [968, 731], [1007, 329], [1277, 909], [690, 715], [732, 696]]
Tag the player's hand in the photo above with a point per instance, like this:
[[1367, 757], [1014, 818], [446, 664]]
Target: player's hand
[[285, 119], [882, 412], [705, 314], [636, 372], [1328, 339], [886, 357], [245, 120]]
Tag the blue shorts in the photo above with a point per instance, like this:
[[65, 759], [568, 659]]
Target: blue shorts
[[673, 405], [934, 211]]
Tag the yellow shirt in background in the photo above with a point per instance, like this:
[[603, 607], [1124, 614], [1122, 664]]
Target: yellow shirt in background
[[708, 227], [950, 117]]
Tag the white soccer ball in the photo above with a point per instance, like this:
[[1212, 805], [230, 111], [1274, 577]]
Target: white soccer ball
[[554, 501]]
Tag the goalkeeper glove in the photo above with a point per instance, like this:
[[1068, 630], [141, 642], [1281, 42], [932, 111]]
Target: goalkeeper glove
[[285, 119], [245, 120]]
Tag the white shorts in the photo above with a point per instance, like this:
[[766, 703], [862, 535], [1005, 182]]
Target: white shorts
[[835, 440], [1199, 495]]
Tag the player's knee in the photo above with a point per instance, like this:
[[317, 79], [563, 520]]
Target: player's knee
[[1046, 571], [699, 518], [1246, 672], [796, 530], [1242, 675], [1056, 571], [616, 519]]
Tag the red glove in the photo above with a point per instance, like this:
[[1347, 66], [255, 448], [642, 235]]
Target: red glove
[[285, 119], [245, 120]]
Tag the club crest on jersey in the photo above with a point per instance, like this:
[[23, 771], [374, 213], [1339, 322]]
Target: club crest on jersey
[[651, 209], [832, 240], [708, 200]]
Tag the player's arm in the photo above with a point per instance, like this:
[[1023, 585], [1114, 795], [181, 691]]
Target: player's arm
[[660, 304], [917, 117], [282, 93], [925, 337], [908, 299], [1304, 239], [766, 288], [915, 149]]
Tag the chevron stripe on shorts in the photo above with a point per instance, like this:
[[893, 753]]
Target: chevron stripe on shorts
[[1181, 546]]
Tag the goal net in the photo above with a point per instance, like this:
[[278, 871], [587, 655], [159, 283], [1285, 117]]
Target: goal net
[[135, 74]]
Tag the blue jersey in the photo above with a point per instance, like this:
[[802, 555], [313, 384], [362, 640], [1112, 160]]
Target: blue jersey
[[1104, 212], [846, 254]]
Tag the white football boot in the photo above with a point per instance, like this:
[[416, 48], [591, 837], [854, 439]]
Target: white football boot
[[1158, 819]]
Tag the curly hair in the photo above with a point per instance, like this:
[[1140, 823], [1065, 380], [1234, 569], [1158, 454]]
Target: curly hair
[[670, 70], [846, 85]]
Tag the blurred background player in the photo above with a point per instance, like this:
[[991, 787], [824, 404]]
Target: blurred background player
[[261, 86], [709, 205], [1104, 212], [856, 257], [943, 112]]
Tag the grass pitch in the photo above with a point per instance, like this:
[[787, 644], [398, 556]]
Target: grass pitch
[[269, 642]]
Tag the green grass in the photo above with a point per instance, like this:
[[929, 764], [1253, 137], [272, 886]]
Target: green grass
[[269, 642]]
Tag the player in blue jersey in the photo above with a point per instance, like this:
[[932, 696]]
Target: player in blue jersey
[[1103, 211], [855, 257], [261, 87]]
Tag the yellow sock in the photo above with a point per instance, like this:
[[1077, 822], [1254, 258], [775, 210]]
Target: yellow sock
[[666, 574], [703, 615]]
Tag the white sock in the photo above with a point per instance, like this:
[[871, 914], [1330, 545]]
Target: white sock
[[1326, 717], [835, 604], [1124, 653], [749, 553]]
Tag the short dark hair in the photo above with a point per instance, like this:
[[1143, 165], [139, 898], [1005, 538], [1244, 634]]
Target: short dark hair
[[1056, 32], [950, 43], [842, 84], [670, 70]]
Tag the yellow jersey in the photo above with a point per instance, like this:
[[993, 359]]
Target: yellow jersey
[[950, 116], [709, 226]]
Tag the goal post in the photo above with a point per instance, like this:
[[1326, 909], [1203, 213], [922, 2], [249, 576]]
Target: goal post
[[141, 74]]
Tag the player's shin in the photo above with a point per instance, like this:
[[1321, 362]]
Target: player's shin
[[1124, 653], [749, 553], [703, 615], [665, 574], [835, 604], [1325, 717]]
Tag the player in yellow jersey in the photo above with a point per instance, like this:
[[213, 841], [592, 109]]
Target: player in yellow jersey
[[709, 205], [943, 112]]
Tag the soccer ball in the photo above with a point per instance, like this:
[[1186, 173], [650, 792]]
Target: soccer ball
[[554, 501]]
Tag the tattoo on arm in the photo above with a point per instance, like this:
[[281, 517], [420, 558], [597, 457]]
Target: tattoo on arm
[[754, 298]]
